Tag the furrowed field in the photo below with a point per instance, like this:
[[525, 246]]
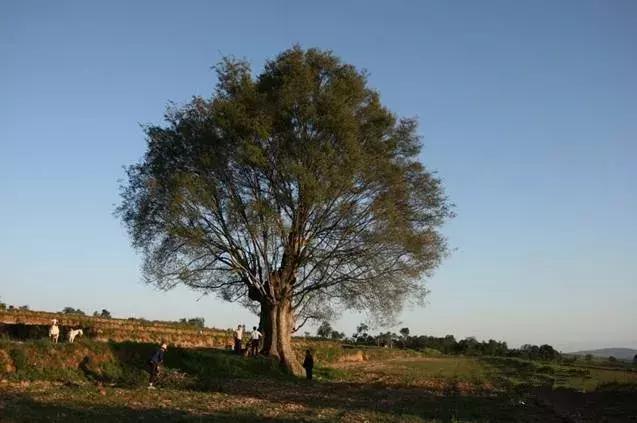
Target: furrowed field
[[106, 382]]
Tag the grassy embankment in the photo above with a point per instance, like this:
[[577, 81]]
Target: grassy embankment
[[28, 324]]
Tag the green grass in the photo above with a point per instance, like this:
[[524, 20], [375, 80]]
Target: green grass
[[440, 373], [517, 372], [214, 385], [458, 368], [125, 364]]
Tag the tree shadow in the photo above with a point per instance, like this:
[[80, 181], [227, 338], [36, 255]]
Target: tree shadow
[[391, 400], [19, 408], [609, 403], [613, 403]]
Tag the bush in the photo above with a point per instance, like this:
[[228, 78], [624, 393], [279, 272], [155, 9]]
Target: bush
[[104, 314], [19, 359], [197, 322], [336, 335], [431, 351], [71, 310]]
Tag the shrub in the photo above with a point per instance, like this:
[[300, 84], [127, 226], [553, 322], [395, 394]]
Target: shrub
[[71, 310], [197, 322], [19, 359]]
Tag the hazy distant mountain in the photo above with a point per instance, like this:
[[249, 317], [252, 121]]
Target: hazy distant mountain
[[618, 353]]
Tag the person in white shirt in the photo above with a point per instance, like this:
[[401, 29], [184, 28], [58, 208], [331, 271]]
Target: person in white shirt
[[255, 337], [238, 336]]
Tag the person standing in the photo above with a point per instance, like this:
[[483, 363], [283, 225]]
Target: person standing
[[308, 364], [255, 337], [153, 365], [238, 336]]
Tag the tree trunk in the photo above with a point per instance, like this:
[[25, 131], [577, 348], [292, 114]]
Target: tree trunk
[[278, 321]]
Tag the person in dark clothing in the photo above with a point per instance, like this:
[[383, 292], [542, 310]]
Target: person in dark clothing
[[308, 364], [153, 365]]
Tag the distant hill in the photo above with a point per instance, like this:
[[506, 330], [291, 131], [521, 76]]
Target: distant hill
[[618, 353]]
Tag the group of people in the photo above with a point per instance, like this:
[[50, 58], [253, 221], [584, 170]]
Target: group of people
[[253, 340], [252, 349]]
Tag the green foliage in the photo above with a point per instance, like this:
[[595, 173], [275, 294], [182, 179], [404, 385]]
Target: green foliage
[[361, 336], [431, 352], [104, 314], [325, 330], [71, 310], [125, 364], [197, 322], [288, 179], [19, 359], [515, 371], [336, 335]]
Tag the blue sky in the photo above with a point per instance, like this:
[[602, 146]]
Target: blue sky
[[528, 111]]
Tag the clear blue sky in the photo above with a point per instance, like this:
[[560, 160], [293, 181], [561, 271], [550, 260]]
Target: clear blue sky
[[528, 111]]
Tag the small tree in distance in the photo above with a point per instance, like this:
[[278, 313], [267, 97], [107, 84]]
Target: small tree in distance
[[71, 310], [336, 335], [197, 322], [104, 314], [325, 330]]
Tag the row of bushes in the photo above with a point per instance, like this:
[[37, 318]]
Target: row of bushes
[[446, 345]]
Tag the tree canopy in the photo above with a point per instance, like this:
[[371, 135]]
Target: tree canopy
[[325, 330], [294, 191]]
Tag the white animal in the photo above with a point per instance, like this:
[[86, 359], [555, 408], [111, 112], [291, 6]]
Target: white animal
[[73, 333], [54, 331]]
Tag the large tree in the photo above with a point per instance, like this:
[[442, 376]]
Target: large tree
[[295, 192]]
